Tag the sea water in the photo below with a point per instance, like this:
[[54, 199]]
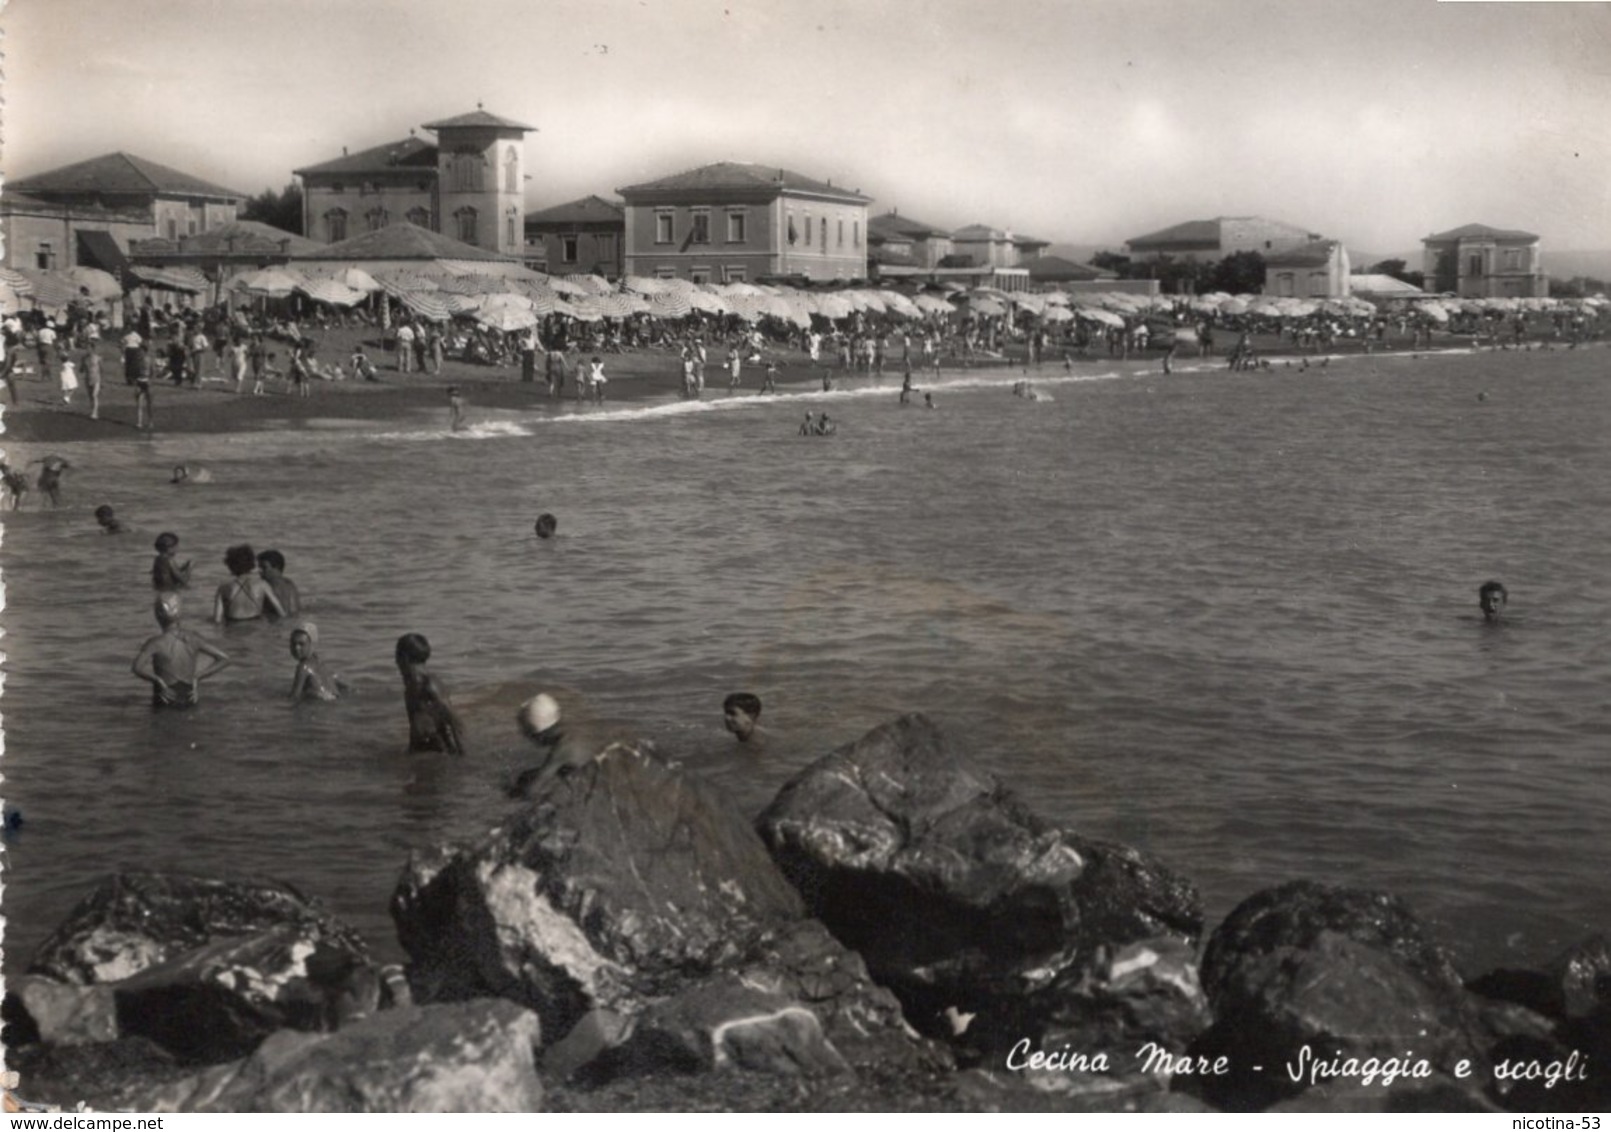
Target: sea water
[[1230, 619]]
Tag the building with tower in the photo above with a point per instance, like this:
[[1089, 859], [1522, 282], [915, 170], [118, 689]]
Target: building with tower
[[469, 185]]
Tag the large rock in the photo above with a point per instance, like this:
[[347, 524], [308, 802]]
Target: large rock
[[207, 968], [1308, 974], [619, 883], [957, 895], [460, 1057], [38, 1009]]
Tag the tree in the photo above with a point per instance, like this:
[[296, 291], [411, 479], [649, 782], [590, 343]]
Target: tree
[[1120, 265], [282, 209], [1240, 273]]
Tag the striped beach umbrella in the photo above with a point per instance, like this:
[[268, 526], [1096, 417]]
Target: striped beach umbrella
[[426, 304], [670, 305], [330, 291]]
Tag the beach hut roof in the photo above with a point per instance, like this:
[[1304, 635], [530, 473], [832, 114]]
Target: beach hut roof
[[238, 237], [478, 118], [400, 241], [894, 225], [119, 174], [407, 153], [1049, 267], [742, 176]]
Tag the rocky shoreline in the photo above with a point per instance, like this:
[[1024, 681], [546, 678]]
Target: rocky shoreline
[[897, 931]]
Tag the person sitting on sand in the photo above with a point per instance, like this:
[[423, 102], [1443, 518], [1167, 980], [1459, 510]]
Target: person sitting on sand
[[312, 679], [169, 661], [245, 597], [741, 713], [363, 367], [1491, 596], [433, 725], [166, 572], [107, 518], [271, 568]]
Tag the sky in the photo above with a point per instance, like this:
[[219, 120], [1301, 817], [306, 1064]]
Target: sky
[[1077, 121]]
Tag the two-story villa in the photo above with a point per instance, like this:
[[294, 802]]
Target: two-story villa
[[470, 185], [1479, 262], [731, 222]]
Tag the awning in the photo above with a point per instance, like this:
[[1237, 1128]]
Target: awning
[[98, 249], [171, 278]]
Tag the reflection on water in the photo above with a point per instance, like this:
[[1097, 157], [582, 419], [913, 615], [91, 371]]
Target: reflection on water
[[1229, 618]]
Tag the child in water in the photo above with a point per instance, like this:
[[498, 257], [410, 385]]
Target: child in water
[[166, 572], [312, 680], [455, 408], [432, 723]]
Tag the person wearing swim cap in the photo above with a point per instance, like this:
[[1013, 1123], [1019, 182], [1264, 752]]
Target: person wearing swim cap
[[107, 518], [312, 680], [546, 525], [169, 661], [562, 749]]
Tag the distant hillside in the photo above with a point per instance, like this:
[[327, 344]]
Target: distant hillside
[[1568, 265], [1081, 253]]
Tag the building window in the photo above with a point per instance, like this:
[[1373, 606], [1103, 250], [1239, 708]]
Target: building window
[[1474, 264], [605, 242], [467, 169], [736, 232], [699, 274], [793, 235], [337, 187], [733, 273], [335, 225], [420, 217], [190, 226], [841, 232], [45, 257], [701, 227], [664, 271], [466, 218], [376, 218], [824, 233], [1285, 284], [1513, 259], [662, 228], [173, 228], [511, 172], [509, 236], [808, 230], [855, 232], [1318, 285], [567, 249]]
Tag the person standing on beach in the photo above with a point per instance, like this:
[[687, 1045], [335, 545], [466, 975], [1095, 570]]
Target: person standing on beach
[[67, 378], [137, 372], [238, 363], [90, 362], [198, 356], [455, 408], [45, 345], [246, 596], [169, 662], [405, 348], [8, 367], [596, 381], [257, 358], [433, 725]]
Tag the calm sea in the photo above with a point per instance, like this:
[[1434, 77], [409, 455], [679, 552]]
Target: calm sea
[[1230, 619]]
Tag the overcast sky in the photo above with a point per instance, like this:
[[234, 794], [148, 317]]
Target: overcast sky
[[1086, 121]]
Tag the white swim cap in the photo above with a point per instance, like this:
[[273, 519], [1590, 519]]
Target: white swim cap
[[539, 713]]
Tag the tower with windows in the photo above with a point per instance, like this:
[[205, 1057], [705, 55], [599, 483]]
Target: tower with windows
[[481, 180]]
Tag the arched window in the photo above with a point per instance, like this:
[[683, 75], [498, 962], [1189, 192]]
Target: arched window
[[465, 218], [335, 225], [420, 217], [467, 170], [511, 171], [376, 218]]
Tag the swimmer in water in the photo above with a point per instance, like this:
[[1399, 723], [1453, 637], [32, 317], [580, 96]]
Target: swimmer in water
[[433, 725], [271, 568], [741, 713], [562, 749], [312, 680], [166, 572], [246, 596], [170, 660], [1491, 596], [455, 408], [50, 477], [186, 473], [546, 525], [107, 518], [16, 485], [809, 428]]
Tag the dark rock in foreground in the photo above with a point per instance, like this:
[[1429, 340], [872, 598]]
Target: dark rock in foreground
[[638, 913], [462, 1057], [206, 968], [1338, 973], [953, 891]]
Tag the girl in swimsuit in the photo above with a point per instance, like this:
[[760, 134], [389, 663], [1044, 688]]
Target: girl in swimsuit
[[246, 596]]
